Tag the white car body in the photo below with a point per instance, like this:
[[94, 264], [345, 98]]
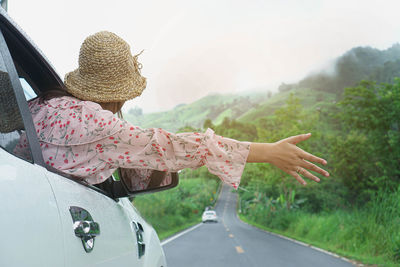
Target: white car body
[[209, 216], [37, 225]]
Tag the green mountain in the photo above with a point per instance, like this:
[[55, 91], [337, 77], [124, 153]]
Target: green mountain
[[359, 63], [310, 99], [215, 107], [314, 91]]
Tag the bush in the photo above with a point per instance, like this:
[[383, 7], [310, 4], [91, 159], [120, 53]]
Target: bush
[[179, 206], [370, 233]]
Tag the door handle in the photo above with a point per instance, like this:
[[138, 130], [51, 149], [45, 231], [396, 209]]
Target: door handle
[[84, 227], [139, 238]]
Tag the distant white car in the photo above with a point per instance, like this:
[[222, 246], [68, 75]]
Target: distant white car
[[209, 216]]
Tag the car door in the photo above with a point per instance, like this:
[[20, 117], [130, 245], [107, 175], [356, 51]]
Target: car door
[[91, 228], [30, 226], [115, 244]]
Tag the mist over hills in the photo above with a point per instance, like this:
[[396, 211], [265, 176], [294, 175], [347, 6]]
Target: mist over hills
[[360, 63]]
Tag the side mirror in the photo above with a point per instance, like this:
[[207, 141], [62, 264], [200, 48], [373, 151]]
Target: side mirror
[[131, 182]]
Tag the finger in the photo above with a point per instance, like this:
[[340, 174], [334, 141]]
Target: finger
[[308, 175], [298, 177], [310, 157], [314, 168], [298, 138]]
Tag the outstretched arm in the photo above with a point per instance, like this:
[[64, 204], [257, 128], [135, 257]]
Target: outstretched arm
[[285, 155]]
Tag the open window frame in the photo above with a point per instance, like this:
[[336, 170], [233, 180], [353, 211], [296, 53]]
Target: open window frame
[[23, 59]]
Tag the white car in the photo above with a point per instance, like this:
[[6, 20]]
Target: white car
[[46, 217], [209, 216]]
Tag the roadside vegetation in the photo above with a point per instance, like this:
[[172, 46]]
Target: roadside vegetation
[[354, 117], [356, 212], [176, 209], [370, 234]]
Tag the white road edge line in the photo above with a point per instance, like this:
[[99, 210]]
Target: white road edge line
[[166, 241], [191, 228], [300, 243]]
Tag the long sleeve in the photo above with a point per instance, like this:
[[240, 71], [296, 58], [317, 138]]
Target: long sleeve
[[133, 147], [83, 140]]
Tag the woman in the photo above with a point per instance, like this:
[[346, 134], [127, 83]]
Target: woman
[[80, 136]]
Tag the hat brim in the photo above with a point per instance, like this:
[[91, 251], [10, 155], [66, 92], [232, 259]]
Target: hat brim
[[87, 87]]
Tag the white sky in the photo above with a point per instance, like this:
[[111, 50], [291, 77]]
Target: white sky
[[193, 48]]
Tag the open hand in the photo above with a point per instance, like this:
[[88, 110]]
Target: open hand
[[288, 157]]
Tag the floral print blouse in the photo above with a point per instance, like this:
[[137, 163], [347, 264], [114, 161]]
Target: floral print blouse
[[81, 139]]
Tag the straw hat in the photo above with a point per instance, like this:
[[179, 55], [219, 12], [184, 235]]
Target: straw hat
[[107, 70], [10, 117]]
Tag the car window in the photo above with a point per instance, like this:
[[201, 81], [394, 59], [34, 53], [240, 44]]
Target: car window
[[35, 76], [28, 90]]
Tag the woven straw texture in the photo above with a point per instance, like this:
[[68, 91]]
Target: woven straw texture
[[10, 118], [107, 70]]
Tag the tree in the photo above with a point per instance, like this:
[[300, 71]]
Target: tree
[[136, 111], [367, 153], [285, 87], [208, 124]]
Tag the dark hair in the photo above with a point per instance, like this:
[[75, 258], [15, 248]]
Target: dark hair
[[53, 93], [61, 91]]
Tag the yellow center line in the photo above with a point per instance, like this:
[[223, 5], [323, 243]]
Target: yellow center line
[[239, 250]]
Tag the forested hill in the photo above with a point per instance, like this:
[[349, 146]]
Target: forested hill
[[360, 63], [355, 126], [314, 91], [215, 107]]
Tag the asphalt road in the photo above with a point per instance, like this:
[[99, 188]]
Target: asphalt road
[[231, 242]]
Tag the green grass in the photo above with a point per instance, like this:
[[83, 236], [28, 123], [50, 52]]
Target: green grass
[[245, 219], [370, 235], [176, 209], [165, 234]]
